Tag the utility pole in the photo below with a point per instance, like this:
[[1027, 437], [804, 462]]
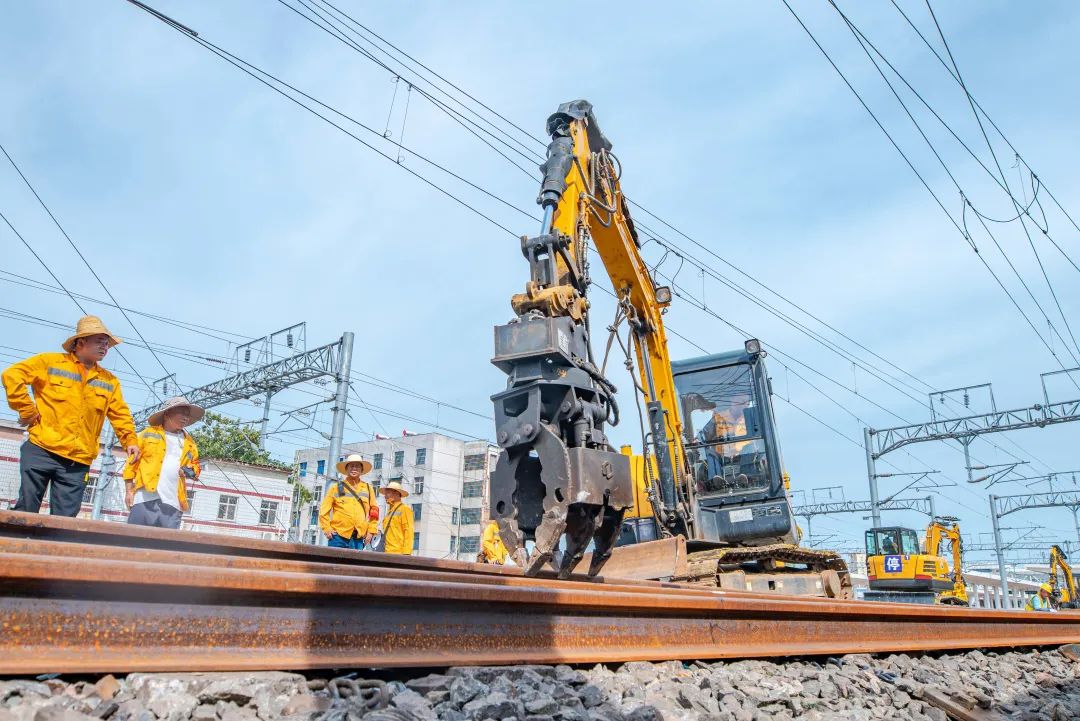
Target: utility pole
[[1004, 579], [265, 421], [341, 398], [105, 472], [871, 474]]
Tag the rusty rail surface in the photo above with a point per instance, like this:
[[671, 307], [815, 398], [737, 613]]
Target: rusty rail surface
[[71, 603]]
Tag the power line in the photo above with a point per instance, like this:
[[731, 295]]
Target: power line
[[1004, 179], [923, 181]]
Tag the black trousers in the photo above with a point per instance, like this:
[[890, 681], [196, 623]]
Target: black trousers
[[38, 468]]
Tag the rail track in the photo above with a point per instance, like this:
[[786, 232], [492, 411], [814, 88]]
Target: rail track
[[84, 596]]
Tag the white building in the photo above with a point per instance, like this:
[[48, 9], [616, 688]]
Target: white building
[[234, 499], [447, 480]]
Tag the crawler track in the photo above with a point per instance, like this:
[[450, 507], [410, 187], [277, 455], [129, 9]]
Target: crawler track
[[79, 596]]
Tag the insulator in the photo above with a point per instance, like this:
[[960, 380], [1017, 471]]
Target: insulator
[[247, 355], [289, 340]]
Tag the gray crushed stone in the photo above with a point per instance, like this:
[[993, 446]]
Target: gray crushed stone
[[1026, 686]]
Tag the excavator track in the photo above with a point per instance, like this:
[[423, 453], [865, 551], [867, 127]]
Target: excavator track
[[779, 568]]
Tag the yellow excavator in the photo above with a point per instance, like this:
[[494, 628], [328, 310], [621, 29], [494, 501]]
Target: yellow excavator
[[897, 570], [706, 498], [1062, 597]]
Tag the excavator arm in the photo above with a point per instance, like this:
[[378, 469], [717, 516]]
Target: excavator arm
[[1058, 560], [558, 477]]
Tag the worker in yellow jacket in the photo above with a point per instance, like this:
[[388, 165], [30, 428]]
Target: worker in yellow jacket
[[492, 549], [72, 397], [157, 480], [349, 514], [397, 526]]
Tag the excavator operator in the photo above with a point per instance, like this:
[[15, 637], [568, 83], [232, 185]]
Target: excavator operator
[[730, 465]]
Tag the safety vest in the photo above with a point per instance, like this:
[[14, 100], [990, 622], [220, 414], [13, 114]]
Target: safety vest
[[1036, 603], [146, 471], [397, 529], [73, 401]]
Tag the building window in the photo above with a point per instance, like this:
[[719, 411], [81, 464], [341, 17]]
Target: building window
[[316, 495], [399, 459], [418, 485], [421, 456], [226, 510], [191, 501], [314, 516], [268, 513], [453, 544], [416, 541], [474, 462], [453, 518], [470, 544], [417, 511], [303, 468], [472, 489], [376, 461], [377, 482], [321, 468], [470, 516], [89, 490]]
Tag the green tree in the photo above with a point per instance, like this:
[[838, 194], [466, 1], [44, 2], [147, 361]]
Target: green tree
[[227, 439]]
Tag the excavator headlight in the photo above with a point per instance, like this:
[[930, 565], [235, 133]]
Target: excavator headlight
[[663, 295], [753, 346]]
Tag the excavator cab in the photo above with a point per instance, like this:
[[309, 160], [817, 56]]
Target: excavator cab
[[730, 441]]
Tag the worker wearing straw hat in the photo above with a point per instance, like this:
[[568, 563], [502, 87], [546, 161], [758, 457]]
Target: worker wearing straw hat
[[72, 396], [348, 515], [397, 527], [156, 480]]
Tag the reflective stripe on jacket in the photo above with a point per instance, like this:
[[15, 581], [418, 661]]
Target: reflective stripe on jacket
[[397, 529], [73, 401], [491, 544], [146, 471], [345, 515]]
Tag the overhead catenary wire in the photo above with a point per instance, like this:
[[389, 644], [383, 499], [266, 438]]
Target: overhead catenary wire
[[1004, 179], [925, 183]]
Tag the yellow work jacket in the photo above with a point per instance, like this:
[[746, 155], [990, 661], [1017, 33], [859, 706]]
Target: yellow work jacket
[[146, 471], [491, 544], [397, 529], [73, 401], [343, 514]]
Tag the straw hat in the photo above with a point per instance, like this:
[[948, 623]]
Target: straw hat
[[365, 466], [393, 486], [89, 325], [176, 402]]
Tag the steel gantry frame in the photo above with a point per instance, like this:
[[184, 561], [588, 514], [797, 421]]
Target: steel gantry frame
[[1001, 506], [333, 359], [808, 511], [879, 442]]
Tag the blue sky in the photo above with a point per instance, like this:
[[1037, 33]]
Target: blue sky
[[199, 194]]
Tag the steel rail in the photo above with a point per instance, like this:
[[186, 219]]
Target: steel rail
[[66, 607]]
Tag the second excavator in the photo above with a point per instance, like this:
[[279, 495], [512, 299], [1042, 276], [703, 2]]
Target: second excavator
[[710, 473]]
